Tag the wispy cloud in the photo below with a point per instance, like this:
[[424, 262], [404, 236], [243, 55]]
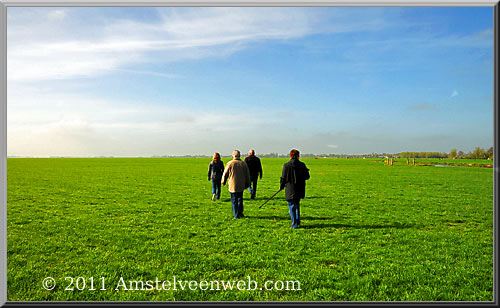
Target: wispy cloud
[[51, 53], [326, 59], [83, 125], [56, 14], [61, 48], [481, 38], [414, 49], [151, 73]]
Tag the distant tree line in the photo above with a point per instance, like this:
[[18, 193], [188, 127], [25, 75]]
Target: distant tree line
[[478, 153], [272, 155], [422, 155], [309, 155]]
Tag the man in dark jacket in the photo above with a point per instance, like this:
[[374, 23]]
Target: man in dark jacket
[[253, 163], [293, 179]]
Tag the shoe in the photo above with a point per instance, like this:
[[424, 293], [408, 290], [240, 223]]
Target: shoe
[[213, 197]]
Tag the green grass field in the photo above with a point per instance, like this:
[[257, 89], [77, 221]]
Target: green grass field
[[370, 232]]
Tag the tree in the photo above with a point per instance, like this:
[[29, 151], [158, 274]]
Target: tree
[[453, 153], [489, 153], [460, 154], [478, 153]]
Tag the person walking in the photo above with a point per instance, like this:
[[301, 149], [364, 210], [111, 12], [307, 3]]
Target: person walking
[[215, 170], [293, 180], [255, 167], [237, 176]]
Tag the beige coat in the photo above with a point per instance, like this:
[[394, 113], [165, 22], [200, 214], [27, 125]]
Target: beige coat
[[237, 175]]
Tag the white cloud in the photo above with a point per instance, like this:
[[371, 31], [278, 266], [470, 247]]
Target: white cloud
[[78, 125], [60, 44], [140, 72], [48, 54], [47, 44], [57, 14]]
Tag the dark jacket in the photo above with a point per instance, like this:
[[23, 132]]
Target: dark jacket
[[215, 170], [253, 163], [293, 179]]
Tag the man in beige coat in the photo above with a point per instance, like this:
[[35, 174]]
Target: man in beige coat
[[237, 175]]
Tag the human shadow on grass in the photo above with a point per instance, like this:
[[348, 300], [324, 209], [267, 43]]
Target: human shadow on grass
[[318, 197], [263, 199], [288, 218], [247, 199], [256, 198], [348, 226], [282, 198]]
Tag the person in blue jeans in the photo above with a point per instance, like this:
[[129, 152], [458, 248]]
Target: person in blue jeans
[[293, 180], [215, 170], [237, 176]]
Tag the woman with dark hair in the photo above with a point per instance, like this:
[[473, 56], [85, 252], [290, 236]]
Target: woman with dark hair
[[215, 170], [293, 179]]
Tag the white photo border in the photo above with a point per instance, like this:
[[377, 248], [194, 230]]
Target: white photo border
[[4, 4]]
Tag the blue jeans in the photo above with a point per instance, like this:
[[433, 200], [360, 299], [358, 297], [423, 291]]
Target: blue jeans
[[253, 187], [294, 210], [237, 202], [216, 188]]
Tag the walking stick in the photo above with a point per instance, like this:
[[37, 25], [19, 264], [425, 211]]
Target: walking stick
[[270, 198]]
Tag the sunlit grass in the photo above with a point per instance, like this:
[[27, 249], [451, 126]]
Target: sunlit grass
[[370, 232]]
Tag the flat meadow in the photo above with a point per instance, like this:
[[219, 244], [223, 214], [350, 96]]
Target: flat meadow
[[369, 232]]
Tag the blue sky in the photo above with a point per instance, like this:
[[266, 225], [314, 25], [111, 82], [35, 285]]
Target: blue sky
[[175, 81]]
